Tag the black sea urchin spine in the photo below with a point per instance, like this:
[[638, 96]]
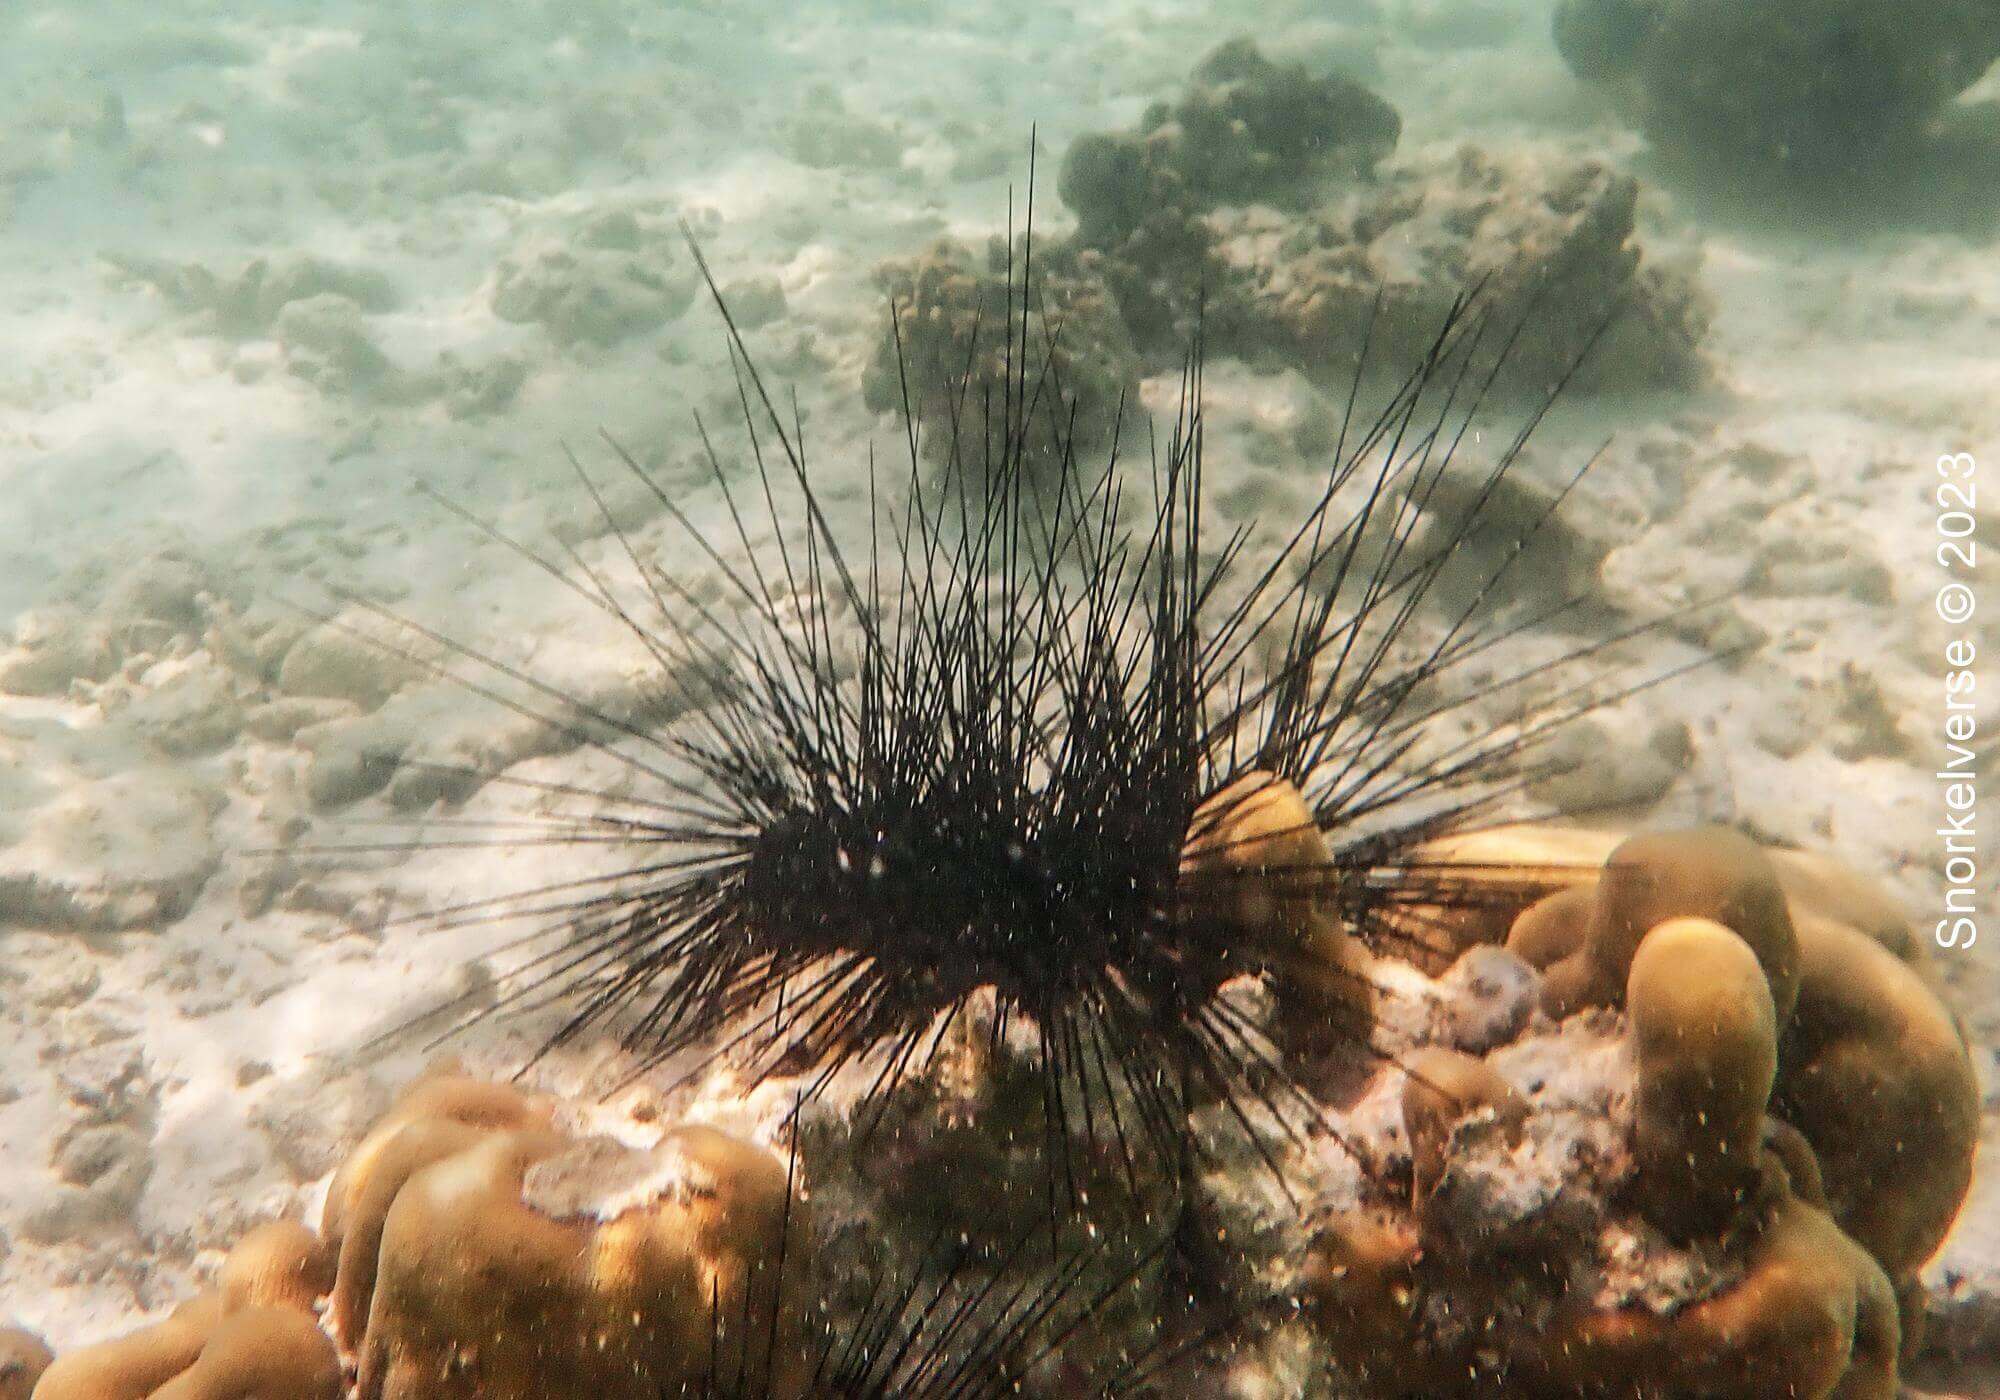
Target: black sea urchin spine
[[967, 749]]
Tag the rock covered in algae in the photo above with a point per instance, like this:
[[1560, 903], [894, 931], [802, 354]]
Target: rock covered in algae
[[950, 351], [1819, 88], [1288, 253], [1552, 245], [1245, 129]]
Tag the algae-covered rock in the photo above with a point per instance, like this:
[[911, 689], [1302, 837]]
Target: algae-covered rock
[[1821, 90], [1242, 207], [952, 355], [598, 295], [1551, 244], [1246, 129]]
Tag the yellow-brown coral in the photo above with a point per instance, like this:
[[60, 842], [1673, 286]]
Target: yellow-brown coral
[[1705, 1038], [529, 1264], [1804, 1118], [1874, 1069], [1877, 1078], [134, 1366], [253, 1338], [1710, 873], [260, 1354], [1813, 1318], [23, 1358], [1255, 863], [439, 1116], [1444, 1087]]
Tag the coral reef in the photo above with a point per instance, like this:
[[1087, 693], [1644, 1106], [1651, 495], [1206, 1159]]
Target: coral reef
[[1245, 130], [1678, 1185], [529, 1264], [944, 352], [1550, 245], [1281, 258], [1812, 89]]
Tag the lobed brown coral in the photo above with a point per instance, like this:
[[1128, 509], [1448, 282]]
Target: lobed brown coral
[[471, 1248], [1711, 873], [484, 1252], [1749, 1218], [254, 1337], [23, 1358], [1873, 1068]]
